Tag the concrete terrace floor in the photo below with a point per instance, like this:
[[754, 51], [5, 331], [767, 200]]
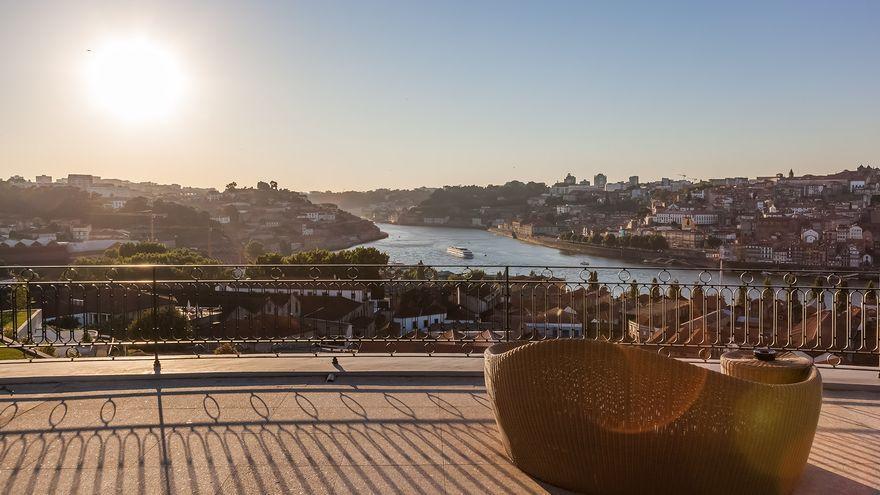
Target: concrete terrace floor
[[300, 434]]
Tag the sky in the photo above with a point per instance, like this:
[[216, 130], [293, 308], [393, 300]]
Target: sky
[[339, 95]]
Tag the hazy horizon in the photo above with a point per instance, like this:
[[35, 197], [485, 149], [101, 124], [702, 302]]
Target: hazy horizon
[[390, 94]]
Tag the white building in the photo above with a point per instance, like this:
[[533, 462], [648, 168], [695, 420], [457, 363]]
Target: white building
[[81, 233], [421, 321], [674, 215], [855, 232], [435, 220], [856, 185], [809, 236], [320, 216]]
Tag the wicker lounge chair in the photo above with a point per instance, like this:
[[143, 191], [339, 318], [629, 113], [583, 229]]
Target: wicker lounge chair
[[602, 418]]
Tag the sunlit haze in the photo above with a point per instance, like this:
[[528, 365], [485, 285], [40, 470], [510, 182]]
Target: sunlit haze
[[359, 95], [135, 80]]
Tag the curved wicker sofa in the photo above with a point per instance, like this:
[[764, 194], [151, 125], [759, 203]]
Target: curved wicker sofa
[[603, 418]]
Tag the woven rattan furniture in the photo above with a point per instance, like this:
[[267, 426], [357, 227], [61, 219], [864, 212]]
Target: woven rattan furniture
[[602, 418], [786, 368]]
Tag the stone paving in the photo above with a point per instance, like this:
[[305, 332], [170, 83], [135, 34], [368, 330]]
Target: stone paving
[[359, 434]]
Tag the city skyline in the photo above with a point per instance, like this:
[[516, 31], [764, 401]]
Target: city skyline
[[356, 96], [63, 179]]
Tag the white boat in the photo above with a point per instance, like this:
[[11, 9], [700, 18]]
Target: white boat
[[460, 252]]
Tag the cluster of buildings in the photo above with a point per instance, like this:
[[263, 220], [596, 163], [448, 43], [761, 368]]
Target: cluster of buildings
[[217, 223], [284, 221], [810, 220], [113, 192]]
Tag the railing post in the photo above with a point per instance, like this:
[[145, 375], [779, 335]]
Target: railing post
[[507, 304], [156, 365], [27, 313]]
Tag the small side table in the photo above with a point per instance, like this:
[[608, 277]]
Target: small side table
[[780, 368]]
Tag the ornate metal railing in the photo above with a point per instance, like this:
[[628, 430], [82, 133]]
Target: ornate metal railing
[[97, 310]]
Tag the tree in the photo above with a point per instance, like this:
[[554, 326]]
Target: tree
[[634, 289], [263, 186], [713, 242], [134, 248], [138, 203], [593, 280], [274, 185], [658, 242], [254, 249], [674, 291], [610, 240], [146, 254], [232, 212], [742, 296], [269, 259], [357, 256], [841, 296], [168, 324], [768, 293], [231, 186], [816, 292]]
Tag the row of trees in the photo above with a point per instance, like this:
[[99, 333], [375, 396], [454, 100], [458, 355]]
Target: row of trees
[[357, 256], [653, 242], [513, 193]]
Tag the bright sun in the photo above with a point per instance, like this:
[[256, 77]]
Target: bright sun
[[136, 80]]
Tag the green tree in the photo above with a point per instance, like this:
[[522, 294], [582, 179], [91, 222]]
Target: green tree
[[767, 292], [130, 249], [610, 240], [593, 280], [634, 289], [168, 324], [841, 296], [136, 204], [674, 291], [357, 256], [816, 292], [742, 298], [254, 249]]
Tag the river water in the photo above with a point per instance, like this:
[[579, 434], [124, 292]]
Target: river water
[[412, 244]]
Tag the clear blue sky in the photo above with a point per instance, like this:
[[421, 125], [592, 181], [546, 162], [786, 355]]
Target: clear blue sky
[[364, 94]]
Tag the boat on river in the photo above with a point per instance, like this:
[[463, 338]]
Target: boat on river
[[460, 252]]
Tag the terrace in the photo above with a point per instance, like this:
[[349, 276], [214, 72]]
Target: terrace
[[248, 397]]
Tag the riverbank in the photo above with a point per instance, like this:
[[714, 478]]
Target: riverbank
[[667, 258], [339, 244], [671, 258]]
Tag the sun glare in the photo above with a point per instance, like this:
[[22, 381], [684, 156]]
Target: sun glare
[[135, 80]]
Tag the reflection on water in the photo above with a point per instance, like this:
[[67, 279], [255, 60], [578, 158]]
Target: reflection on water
[[410, 245]]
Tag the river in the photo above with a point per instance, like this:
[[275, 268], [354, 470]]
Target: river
[[412, 244]]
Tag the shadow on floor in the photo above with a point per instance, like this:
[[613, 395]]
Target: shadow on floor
[[269, 436], [302, 435]]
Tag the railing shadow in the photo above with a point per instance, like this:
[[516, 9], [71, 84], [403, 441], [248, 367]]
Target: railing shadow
[[272, 435], [374, 436]]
